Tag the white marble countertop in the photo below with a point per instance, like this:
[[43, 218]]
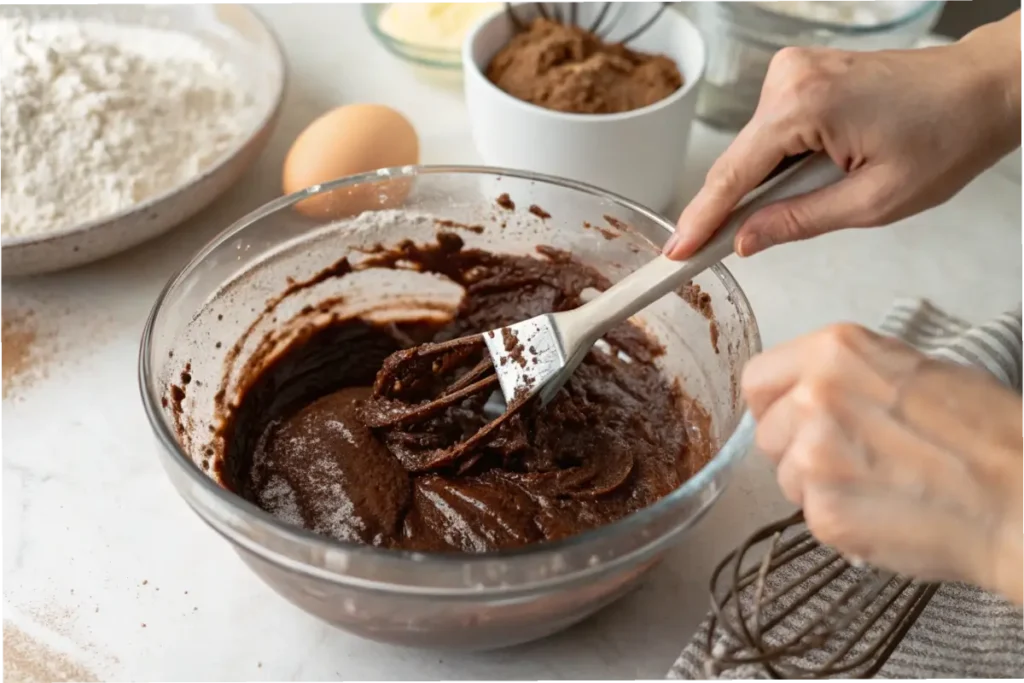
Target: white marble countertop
[[104, 563]]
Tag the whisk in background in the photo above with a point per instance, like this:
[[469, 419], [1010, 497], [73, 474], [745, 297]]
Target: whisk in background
[[801, 610], [604, 19]]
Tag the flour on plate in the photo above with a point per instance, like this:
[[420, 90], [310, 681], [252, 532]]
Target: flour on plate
[[98, 117]]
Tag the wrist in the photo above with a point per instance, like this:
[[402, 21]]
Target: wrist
[[989, 61]]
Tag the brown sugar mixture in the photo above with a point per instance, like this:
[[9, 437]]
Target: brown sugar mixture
[[312, 440], [566, 68]]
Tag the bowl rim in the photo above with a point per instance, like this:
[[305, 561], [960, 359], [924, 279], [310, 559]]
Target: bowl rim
[[925, 6], [449, 59], [733, 448], [268, 117], [690, 85]]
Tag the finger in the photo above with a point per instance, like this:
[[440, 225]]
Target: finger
[[861, 199], [772, 373], [892, 533], [855, 469], [846, 357], [747, 161], [776, 428], [820, 453]]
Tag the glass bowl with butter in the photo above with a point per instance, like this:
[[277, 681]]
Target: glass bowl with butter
[[427, 35], [292, 271]]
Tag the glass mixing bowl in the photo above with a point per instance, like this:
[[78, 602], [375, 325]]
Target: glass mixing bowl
[[742, 38], [457, 601]]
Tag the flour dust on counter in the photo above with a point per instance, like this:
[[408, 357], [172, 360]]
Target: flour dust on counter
[[26, 660], [98, 117]]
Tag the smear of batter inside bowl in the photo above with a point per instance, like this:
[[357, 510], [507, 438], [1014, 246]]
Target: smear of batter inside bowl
[[304, 439]]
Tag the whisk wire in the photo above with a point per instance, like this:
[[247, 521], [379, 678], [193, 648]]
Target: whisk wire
[[517, 23], [556, 10], [827, 618], [877, 611], [906, 619], [762, 575], [788, 551], [598, 25], [633, 35]]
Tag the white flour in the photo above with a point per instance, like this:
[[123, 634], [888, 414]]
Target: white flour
[[862, 13], [97, 117]]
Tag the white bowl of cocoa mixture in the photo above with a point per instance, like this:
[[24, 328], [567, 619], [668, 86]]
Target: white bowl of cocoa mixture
[[549, 98]]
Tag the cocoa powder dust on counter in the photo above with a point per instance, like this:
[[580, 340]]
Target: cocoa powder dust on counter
[[22, 351], [568, 69], [43, 335]]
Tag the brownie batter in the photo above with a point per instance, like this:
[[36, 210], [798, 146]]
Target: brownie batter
[[566, 68], [322, 441]]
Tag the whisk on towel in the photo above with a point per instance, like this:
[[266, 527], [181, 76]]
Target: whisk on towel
[[804, 611], [602, 24]]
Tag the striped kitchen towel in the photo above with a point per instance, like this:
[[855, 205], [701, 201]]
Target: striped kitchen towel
[[964, 632]]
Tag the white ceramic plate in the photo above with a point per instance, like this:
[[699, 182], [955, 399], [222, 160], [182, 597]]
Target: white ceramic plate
[[243, 40]]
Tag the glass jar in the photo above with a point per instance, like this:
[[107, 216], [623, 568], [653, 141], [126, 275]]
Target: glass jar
[[742, 38]]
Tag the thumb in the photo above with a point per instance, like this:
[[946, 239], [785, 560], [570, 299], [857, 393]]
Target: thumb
[[859, 200]]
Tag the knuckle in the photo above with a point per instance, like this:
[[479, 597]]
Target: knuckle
[[809, 457], [798, 68], [722, 177], [790, 481], [840, 339], [809, 463], [791, 60], [801, 75], [828, 521], [787, 222], [764, 441], [815, 396], [817, 454]]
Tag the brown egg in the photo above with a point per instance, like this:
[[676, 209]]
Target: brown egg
[[346, 141]]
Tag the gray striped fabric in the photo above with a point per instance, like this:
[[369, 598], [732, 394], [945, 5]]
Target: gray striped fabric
[[963, 632]]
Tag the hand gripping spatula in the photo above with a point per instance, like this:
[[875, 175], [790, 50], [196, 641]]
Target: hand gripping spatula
[[536, 357]]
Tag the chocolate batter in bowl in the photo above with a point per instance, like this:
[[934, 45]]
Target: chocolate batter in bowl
[[259, 355]]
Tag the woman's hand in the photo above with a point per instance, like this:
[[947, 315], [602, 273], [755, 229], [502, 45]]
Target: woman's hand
[[908, 463], [910, 127]]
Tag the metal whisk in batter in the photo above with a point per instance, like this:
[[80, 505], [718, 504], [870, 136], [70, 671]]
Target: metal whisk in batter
[[603, 23], [803, 611]]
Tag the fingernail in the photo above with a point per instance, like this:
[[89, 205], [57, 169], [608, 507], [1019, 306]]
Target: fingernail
[[673, 241]]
